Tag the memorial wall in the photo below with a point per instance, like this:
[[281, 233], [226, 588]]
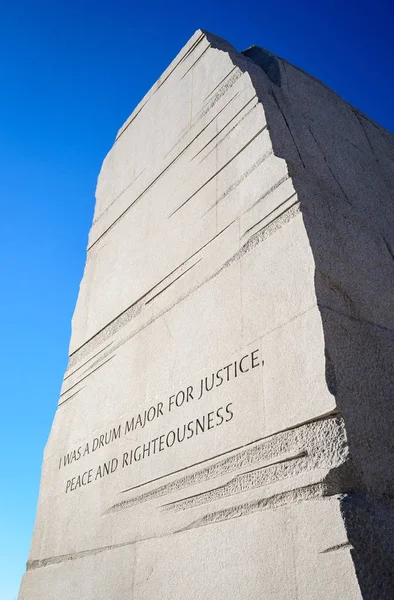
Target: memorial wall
[[224, 428]]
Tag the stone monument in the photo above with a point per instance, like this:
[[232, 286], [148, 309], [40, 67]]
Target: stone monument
[[225, 425]]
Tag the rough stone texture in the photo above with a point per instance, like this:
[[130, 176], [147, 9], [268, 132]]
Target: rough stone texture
[[243, 238]]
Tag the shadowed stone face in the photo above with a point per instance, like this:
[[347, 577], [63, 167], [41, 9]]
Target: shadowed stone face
[[224, 428]]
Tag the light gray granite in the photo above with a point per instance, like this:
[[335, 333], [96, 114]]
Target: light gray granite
[[224, 428]]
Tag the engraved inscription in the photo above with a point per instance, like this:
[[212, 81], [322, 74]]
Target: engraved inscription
[[192, 396]]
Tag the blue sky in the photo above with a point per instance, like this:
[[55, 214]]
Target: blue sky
[[71, 72]]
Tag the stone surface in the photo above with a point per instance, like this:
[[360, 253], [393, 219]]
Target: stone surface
[[224, 428]]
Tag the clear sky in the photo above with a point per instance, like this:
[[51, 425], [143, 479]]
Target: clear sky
[[71, 73]]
